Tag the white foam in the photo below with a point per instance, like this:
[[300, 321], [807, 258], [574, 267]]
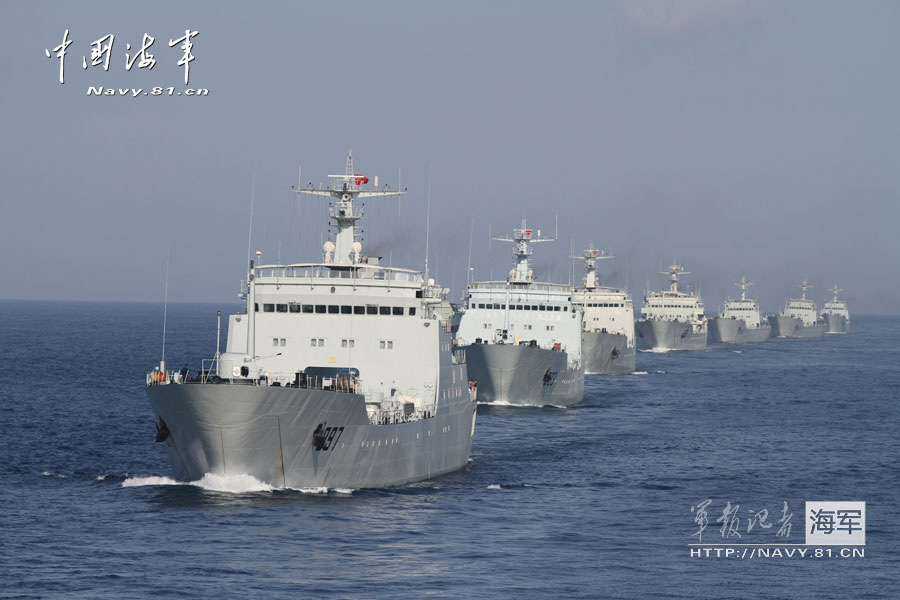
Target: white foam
[[52, 474], [639, 373], [656, 350], [494, 486], [312, 490], [738, 351], [234, 484], [662, 372], [142, 481], [103, 477], [347, 491]]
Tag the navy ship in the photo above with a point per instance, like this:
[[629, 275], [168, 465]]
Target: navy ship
[[607, 338], [521, 337], [740, 322], [672, 320], [836, 314], [799, 318], [339, 373]]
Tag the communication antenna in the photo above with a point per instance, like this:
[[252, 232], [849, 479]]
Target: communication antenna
[[427, 223], [252, 197], [399, 187], [162, 360], [469, 266]]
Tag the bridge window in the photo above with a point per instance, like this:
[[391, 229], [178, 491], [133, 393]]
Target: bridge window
[[295, 308], [307, 308], [346, 309], [412, 311], [481, 306], [542, 307], [371, 310], [398, 311], [384, 310], [321, 309], [359, 310], [527, 307], [268, 308], [281, 308], [333, 309]]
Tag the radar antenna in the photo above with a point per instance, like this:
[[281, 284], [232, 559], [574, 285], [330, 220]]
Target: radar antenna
[[345, 189], [523, 238]]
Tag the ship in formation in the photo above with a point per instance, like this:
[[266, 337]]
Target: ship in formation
[[338, 373], [799, 319], [836, 314], [608, 330], [740, 322], [522, 338], [672, 320]]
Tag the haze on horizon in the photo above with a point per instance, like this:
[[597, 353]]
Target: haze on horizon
[[736, 137]]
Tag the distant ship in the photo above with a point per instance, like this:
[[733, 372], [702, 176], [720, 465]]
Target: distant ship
[[672, 320], [740, 322], [522, 338], [340, 374], [836, 315], [798, 319], [608, 335]]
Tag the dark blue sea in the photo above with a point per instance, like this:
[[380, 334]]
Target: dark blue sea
[[590, 502]]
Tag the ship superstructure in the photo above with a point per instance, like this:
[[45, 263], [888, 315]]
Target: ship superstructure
[[608, 329], [836, 314], [741, 320], [799, 318], [339, 373], [522, 338], [671, 319]]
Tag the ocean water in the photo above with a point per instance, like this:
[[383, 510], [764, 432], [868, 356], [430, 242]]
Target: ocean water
[[589, 502]]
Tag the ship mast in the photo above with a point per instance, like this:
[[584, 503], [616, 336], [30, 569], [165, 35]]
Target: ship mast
[[590, 258], [836, 290], [804, 286], [743, 285], [673, 271], [346, 248], [522, 238]]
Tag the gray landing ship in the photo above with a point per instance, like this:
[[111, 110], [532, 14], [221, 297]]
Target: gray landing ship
[[339, 374], [740, 322], [672, 320], [836, 315], [522, 338], [798, 319], [607, 339]]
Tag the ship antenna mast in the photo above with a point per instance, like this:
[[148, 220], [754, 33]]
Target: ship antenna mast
[[162, 360], [345, 189], [590, 258], [743, 285], [523, 238], [427, 222]]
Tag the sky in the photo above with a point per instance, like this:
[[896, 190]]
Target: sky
[[736, 137]]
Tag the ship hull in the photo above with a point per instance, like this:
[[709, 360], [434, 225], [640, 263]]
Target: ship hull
[[267, 432], [668, 335], [836, 324], [735, 331], [606, 353], [511, 374], [793, 328]]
